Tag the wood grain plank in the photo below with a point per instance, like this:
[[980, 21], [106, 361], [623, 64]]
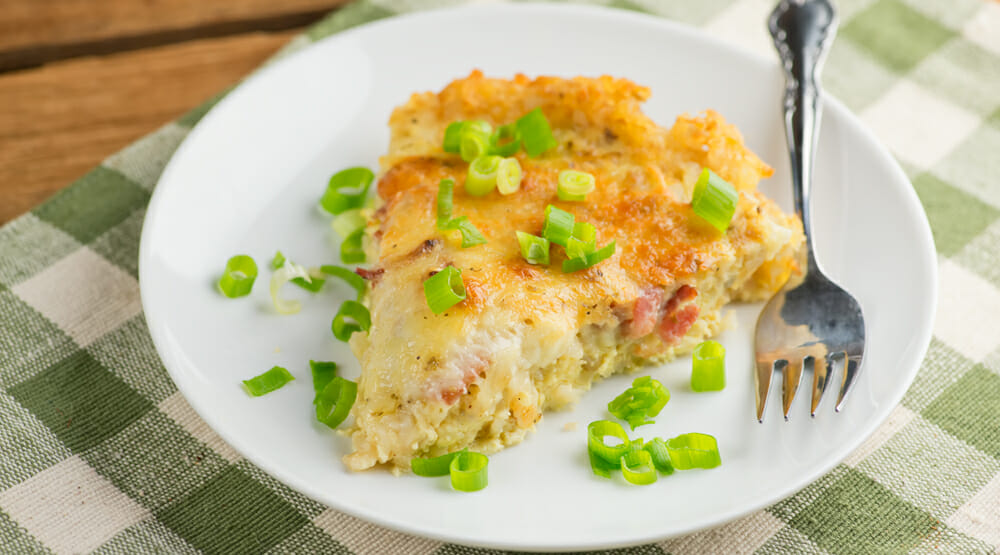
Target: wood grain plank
[[38, 31], [58, 121]]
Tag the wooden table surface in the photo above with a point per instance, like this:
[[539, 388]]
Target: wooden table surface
[[80, 79]]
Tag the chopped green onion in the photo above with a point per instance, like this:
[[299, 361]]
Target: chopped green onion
[[637, 468], [468, 471], [237, 280], [453, 136], [352, 249], [708, 367], [314, 285], [482, 176], [286, 273], [278, 260], [434, 466], [348, 222], [535, 250], [473, 146], [585, 232], [322, 373], [505, 132], [535, 132], [446, 188], [592, 259], [334, 403], [714, 200], [273, 379], [509, 176], [444, 289], [646, 398], [353, 310], [600, 466], [694, 451], [470, 234], [576, 248], [478, 127], [611, 454], [357, 282], [661, 456], [347, 190], [558, 226], [575, 185]]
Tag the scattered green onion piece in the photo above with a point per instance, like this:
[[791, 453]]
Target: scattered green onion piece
[[482, 175], [322, 373], [444, 289], [273, 379], [286, 273], [693, 451], [434, 466], [576, 248], [356, 282], [575, 185], [348, 222], [347, 190], [708, 367], [238, 278], [445, 202], [714, 200], [585, 232], [661, 456], [315, 283], [535, 132], [469, 471], [473, 146], [278, 260], [611, 454], [470, 234], [453, 136], [592, 259], [509, 175], [362, 320], [535, 250], [600, 466], [558, 226], [505, 132], [478, 127], [352, 249], [645, 399], [637, 468], [334, 402]]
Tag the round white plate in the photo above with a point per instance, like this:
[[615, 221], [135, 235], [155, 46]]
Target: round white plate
[[247, 180]]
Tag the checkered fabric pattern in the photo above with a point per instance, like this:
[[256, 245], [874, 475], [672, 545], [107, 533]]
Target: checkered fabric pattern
[[99, 452]]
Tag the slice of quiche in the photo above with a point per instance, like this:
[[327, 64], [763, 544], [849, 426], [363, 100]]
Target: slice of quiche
[[532, 338]]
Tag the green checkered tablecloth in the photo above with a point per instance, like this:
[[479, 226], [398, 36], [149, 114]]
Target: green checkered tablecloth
[[98, 450]]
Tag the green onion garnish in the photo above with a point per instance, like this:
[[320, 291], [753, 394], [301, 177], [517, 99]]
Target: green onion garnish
[[509, 176], [558, 226], [347, 190], [694, 451], [473, 146], [504, 132], [536, 135], [576, 248], [585, 232], [575, 185], [434, 466], [444, 289], [348, 222], [535, 250], [445, 202], [453, 136], [482, 176], [468, 471], [356, 282], [237, 280], [600, 466], [314, 285], [714, 200], [470, 234], [352, 249], [592, 259], [637, 467], [273, 379], [278, 260], [322, 373], [352, 317], [334, 402], [661, 456], [708, 367], [610, 454], [646, 398], [288, 272]]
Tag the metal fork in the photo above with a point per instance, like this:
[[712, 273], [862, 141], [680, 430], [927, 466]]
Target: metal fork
[[814, 324]]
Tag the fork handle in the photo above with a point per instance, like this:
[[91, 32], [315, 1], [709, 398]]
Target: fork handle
[[802, 31]]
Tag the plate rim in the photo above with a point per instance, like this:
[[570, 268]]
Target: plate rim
[[831, 104]]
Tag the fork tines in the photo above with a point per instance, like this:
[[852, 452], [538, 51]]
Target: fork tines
[[791, 369]]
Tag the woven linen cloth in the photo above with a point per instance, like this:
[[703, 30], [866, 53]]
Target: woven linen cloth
[[99, 451]]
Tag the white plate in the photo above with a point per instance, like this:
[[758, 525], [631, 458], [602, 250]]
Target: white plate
[[247, 179]]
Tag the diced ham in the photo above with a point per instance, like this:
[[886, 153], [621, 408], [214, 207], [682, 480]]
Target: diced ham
[[678, 315], [645, 312]]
